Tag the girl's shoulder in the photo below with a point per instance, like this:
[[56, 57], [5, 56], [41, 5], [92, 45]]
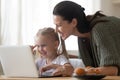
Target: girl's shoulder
[[61, 59]]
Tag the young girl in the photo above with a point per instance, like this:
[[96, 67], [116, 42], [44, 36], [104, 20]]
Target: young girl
[[51, 62]]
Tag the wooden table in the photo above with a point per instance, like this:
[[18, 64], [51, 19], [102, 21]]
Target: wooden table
[[58, 78]]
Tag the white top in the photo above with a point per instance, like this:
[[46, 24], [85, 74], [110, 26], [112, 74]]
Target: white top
[[60, 60]]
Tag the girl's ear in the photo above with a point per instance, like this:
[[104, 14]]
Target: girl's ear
[[74, 22]]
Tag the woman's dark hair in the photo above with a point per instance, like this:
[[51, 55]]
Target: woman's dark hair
[[69, 10], [94, 19]]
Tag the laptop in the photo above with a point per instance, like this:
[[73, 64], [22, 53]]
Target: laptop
[[18, 61]]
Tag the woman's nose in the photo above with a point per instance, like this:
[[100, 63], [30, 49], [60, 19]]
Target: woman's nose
[[56, 29]]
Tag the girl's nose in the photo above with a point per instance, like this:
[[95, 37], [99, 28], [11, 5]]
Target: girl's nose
[[40, 48]]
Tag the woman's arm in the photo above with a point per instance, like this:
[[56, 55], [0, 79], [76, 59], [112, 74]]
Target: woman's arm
[[108, 70], [106, 45]]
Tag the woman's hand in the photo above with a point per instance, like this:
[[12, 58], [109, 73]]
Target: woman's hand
[[108, 70]]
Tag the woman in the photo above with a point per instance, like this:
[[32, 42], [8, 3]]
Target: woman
[[98, 36]]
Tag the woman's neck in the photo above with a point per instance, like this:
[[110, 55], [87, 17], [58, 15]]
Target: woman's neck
[[82, 35]]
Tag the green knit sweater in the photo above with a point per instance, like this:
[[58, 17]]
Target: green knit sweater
[[103, 49]]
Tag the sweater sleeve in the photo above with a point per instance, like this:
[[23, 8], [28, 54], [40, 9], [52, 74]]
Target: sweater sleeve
[[107, 41]]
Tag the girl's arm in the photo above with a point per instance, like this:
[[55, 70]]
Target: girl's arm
[[64, 70]]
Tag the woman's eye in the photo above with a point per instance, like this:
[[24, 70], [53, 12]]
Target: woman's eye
[[43, 45], [58, 25], [38, 46]]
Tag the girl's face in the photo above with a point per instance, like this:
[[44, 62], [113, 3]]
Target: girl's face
[[47, 47], [64, 27]]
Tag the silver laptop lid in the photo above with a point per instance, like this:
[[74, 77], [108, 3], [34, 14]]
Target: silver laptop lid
[[18, 61]]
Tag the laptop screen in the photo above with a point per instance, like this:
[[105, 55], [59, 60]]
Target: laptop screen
[[18, 61]]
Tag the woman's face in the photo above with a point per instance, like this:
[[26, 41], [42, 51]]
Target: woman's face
[[64, 27]]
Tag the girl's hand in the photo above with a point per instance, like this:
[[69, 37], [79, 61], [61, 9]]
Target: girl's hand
[[64, 70], [59, 71], [33, 48], [48, 67]]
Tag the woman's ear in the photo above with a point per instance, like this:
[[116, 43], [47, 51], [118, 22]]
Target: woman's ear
[[74, 22], [56, 44]]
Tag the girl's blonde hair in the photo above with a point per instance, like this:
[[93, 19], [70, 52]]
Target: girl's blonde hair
[[50, 32]]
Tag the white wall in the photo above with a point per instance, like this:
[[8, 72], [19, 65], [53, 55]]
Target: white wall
[[110, 7]]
